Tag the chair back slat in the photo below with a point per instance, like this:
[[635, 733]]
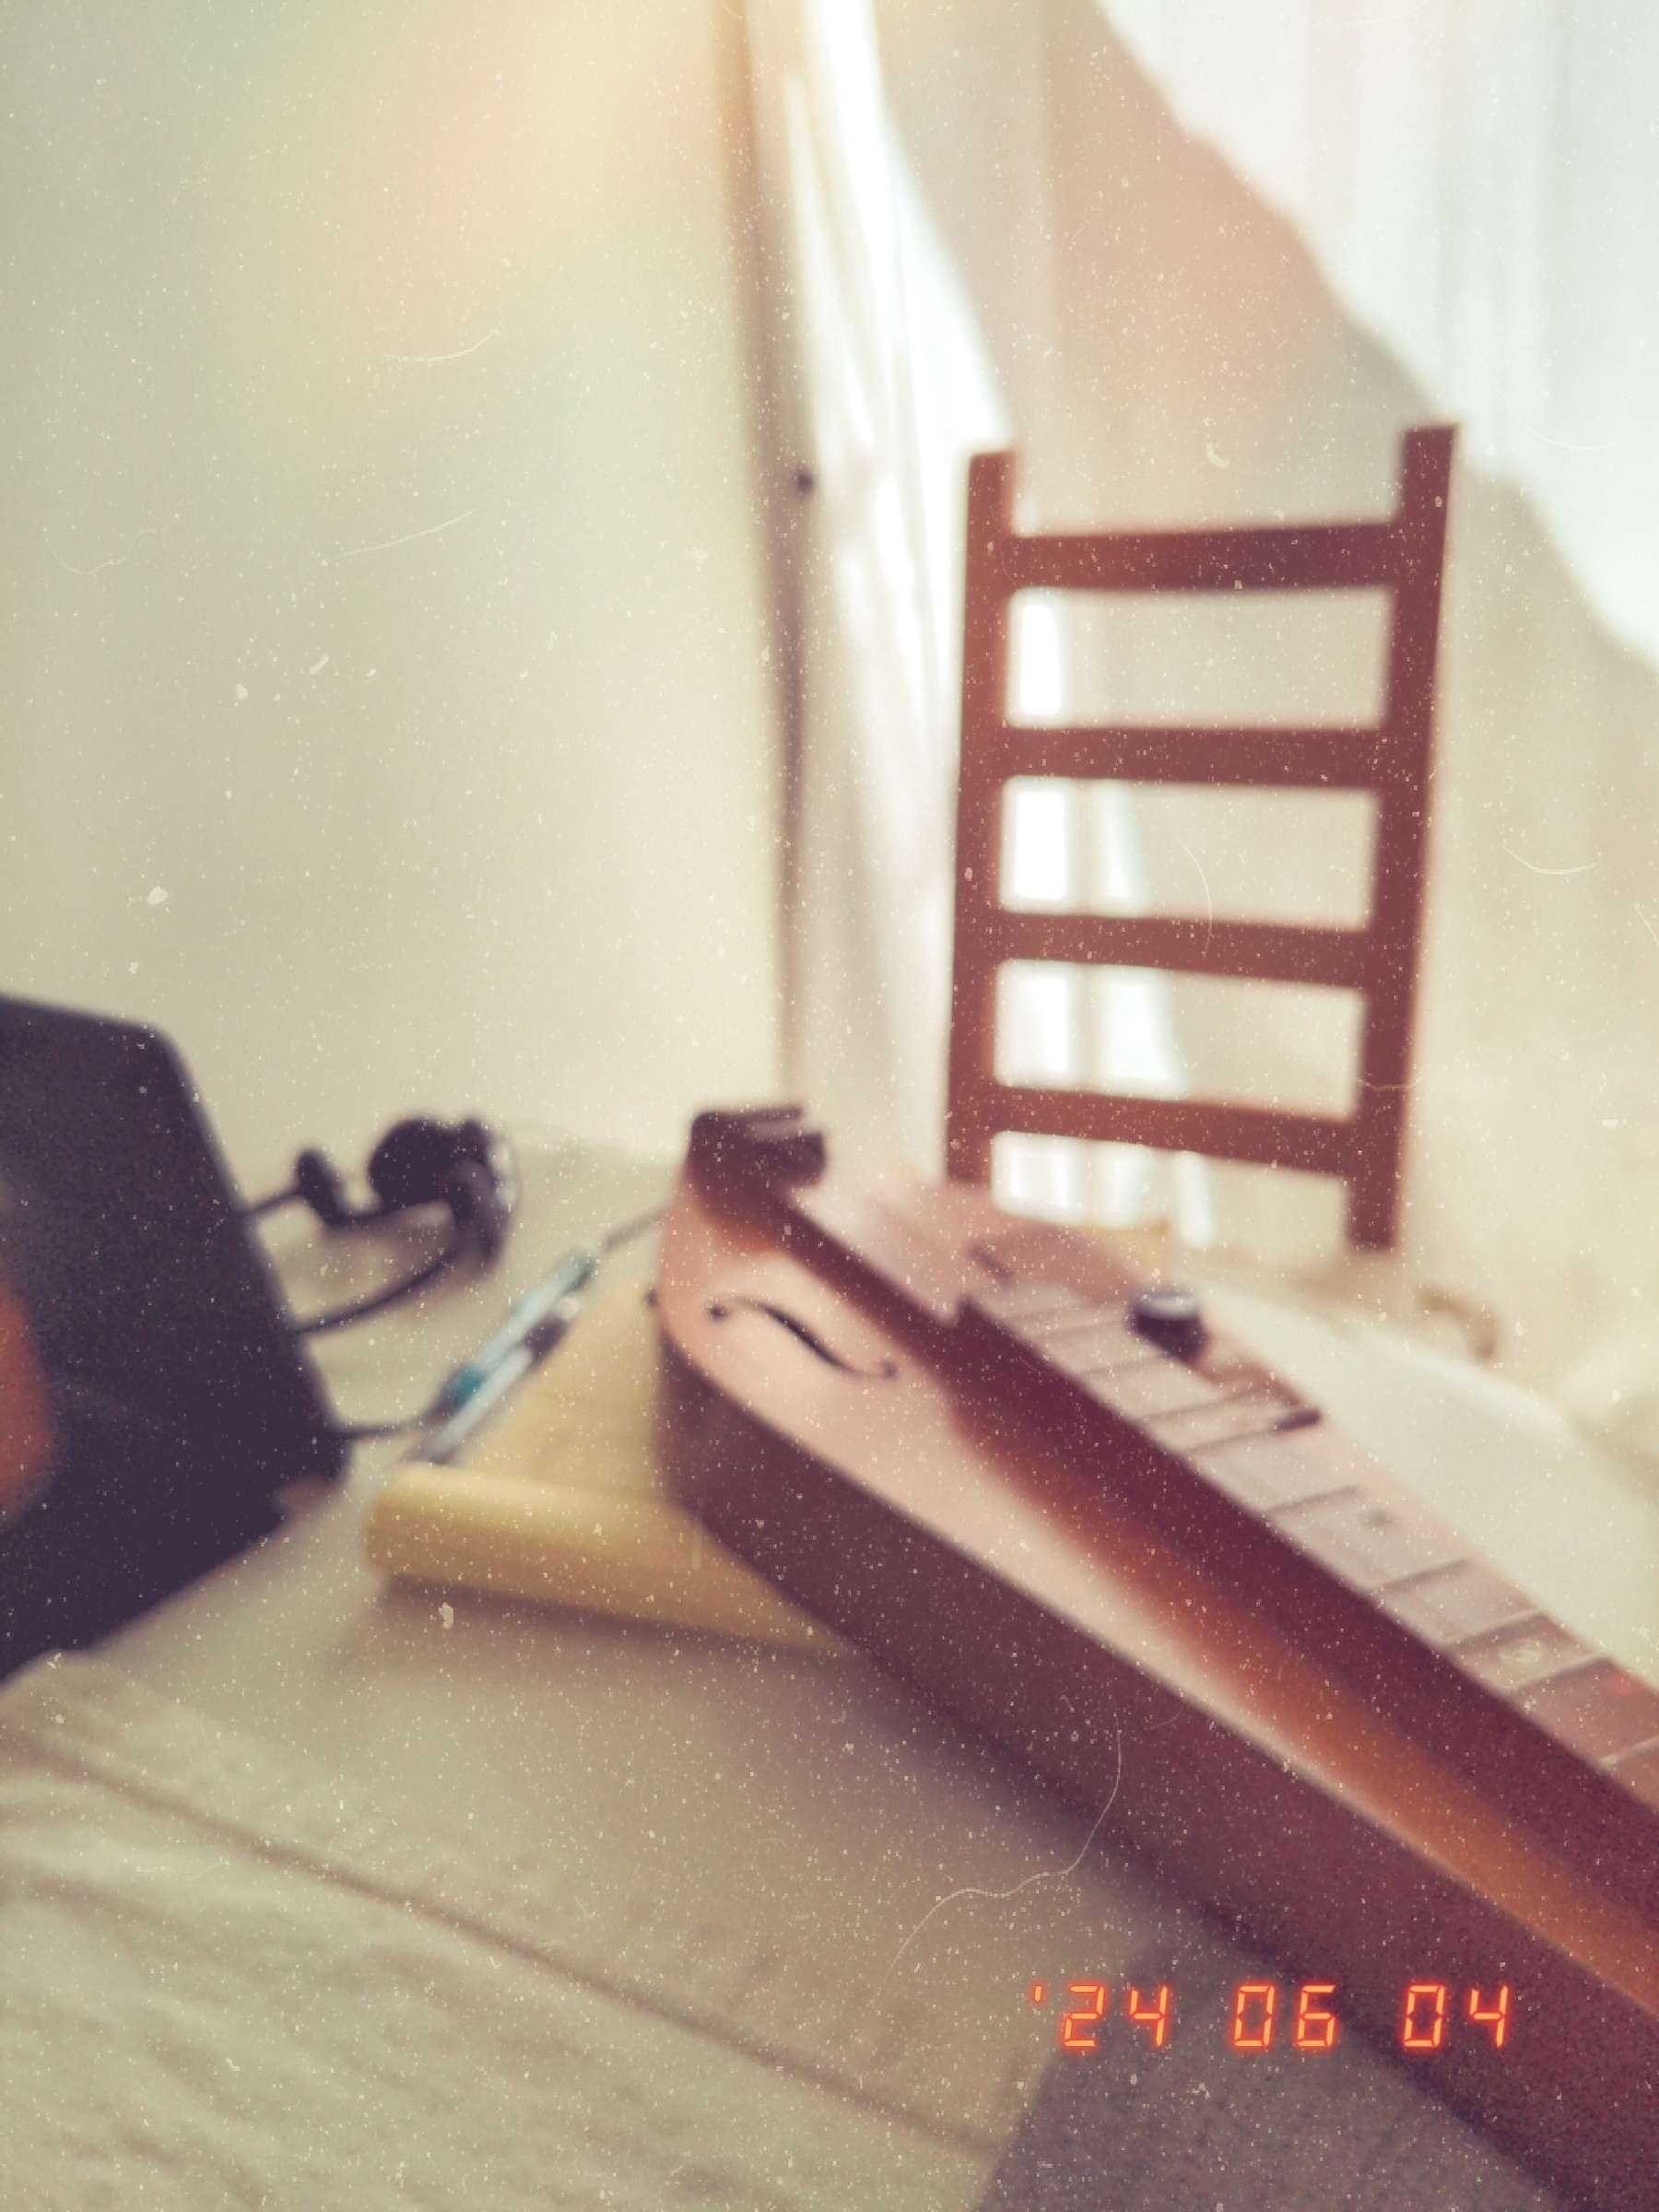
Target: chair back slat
[[1316, 1143], [1323, 760], [1260, 952], [1321, 555]]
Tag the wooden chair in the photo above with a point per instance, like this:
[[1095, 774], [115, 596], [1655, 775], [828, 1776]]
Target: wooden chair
[[1400, 554]]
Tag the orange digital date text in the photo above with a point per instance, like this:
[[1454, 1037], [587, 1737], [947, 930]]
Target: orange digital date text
[[1261, 2015]]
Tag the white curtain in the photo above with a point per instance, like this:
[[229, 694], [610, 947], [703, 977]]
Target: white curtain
[[1477, 184], [894, 391], [1213, 259]]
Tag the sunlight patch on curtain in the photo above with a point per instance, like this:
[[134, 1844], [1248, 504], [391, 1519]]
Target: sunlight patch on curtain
[[1076, 847], [897, 392]]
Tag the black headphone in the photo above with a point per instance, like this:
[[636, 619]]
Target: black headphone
[[462, 1165]]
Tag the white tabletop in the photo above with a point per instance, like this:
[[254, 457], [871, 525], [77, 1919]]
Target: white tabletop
[[817, 1859]]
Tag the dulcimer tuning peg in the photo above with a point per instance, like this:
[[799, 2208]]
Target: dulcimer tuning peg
[[737, 1149]]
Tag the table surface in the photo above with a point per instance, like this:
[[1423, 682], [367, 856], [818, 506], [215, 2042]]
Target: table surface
[[698, 1782]]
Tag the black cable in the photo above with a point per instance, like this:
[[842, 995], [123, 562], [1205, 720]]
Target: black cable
[[269, 1204], [362, 1432], [615, 1239], [367, 1432], [361, 1309]]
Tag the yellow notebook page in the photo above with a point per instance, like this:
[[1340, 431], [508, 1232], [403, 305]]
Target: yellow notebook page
[[563, 1500]]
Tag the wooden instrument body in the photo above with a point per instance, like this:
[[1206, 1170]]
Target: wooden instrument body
[[812, 1418]]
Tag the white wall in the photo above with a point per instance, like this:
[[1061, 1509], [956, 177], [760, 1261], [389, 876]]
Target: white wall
[[487, 816]]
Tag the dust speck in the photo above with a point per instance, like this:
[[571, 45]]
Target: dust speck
[[157, 897]]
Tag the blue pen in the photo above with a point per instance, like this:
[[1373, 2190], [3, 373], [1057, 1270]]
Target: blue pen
[[442, 1444], [520, 1327]]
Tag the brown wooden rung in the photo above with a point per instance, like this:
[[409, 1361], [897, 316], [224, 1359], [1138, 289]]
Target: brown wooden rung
[[1281, 558], [1339, 758], [1263, 951], [1315, 1144]]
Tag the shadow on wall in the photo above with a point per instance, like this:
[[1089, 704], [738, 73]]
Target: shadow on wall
[[1170, 352]]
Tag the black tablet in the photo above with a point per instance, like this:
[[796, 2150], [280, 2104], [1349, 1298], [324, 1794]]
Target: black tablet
[[179, 1399]]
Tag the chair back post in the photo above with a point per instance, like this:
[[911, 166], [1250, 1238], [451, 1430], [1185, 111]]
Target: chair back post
[[969, 1124], [1402, 555], [1401, 848]]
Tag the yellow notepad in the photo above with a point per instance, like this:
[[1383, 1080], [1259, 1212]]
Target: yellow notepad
[[563, 1500]]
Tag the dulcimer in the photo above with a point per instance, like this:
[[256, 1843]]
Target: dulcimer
[[1103, 1532]]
